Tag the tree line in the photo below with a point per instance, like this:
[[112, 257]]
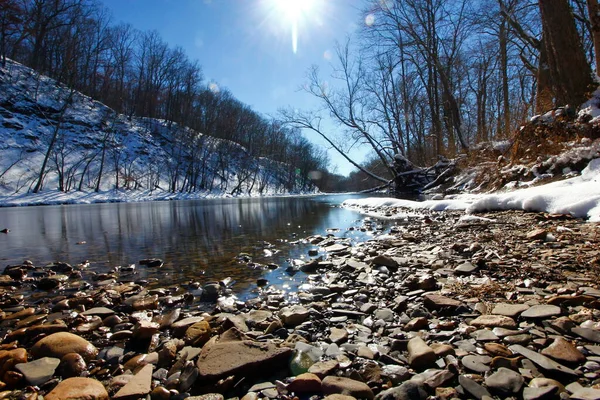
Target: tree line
[[429, 79], [138, 75]]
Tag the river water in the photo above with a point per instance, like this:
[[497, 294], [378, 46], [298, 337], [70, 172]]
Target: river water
[[198, 240]]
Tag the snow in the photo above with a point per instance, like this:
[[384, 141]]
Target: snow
[[143, 153], [56, 197], [591, 108], [578, 196]]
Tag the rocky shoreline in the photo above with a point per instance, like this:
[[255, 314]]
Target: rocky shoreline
[[503, 305]]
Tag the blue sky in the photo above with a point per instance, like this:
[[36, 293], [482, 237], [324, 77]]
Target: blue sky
[[246, 45]]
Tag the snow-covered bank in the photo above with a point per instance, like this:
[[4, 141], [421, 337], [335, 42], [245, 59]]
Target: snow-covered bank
[[56, 197], [578, 196]]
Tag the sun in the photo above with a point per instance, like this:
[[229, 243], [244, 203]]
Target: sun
[[293, 10], [293, 13]]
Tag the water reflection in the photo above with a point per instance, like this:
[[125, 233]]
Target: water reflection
[[198, 240]]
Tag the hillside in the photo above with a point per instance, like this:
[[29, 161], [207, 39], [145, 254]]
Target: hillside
[[99, 155]]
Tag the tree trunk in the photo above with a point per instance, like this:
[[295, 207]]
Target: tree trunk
[[544, 94], [569, 70], [503, 39], [593, 12]]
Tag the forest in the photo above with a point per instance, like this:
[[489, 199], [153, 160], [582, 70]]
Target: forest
[[433, 79], [137, 75], [422, 81]]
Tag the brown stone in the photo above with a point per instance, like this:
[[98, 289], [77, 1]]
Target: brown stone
[[437, 302], [305, 383], [145, 329], [537, 234], [198, 334], [442, 349], [72, 365], [138, 386], [420, 355], [416, 324], [227, 356], [9, 358], [78, 389], [497, 349], [62, 343], [346, 386], [563, 350], [490, 321], [323, 368], [338, 335]]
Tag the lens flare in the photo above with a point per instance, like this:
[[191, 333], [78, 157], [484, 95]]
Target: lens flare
[[292, 14]]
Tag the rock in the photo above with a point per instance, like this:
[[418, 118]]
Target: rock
[[446, 393], [59, 344], [160, 393], [386, 261], [434, 378], [570, 300], [442, 350], [472, 387], [586, 394], [338, 335], [490, 321], [188, 376], [102, 312], [10, 358], [145, 329], [78, 389], [138, 386], [416, 324], [384, 314], [225, 357], [541, 360], [592, 335], [506, 362], [294, 315], [255, 317], [541, 311], [505, 381], [167, 319], [39, 371], [337, 396], [542, 393], [509, 310], [497, 349], [484, 335], [465, 268], [72, 365], [198, 334], [420, 355], [305, 383], [180, 327], [476, 363], [407, 391], [563, 350], [438, 302], [323, 368], [537, 234], [545, 382], [152, 262], [346, 386]]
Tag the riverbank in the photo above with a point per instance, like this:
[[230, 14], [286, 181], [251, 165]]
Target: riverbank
[[502, 304], [56, 197]]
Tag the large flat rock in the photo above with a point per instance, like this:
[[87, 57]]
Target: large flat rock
[[226, 357]]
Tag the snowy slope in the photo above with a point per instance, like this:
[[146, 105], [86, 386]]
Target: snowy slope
[[143, 156]]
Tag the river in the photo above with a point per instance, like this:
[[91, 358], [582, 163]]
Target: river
[[199, 240]]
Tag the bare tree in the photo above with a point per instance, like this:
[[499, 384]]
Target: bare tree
[[568, 67]]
